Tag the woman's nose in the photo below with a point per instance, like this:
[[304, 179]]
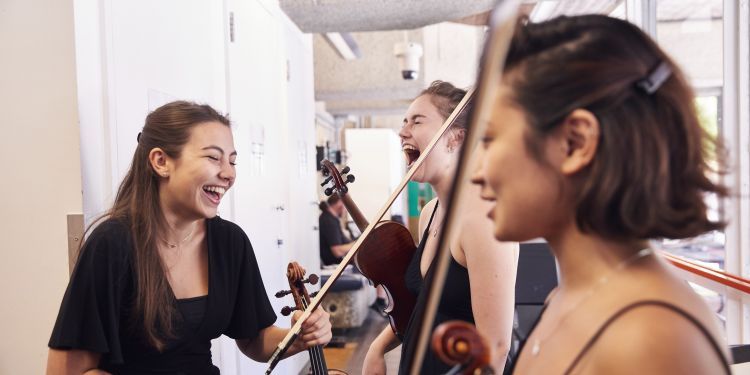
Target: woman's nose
[[403, 132], [227, 172]]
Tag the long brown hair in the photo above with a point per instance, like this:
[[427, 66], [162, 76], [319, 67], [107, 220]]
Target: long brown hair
[[649, 177], [137, 204]]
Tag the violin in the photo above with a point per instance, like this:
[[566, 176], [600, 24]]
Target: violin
[[295, 274], [383, 256], [458, 343], [502, 26]]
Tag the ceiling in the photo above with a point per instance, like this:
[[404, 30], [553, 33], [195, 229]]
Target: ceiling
[[320, 16]]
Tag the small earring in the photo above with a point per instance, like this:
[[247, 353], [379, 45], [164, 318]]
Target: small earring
[[165, 174]]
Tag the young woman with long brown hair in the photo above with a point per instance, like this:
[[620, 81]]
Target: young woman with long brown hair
[[594, 144], [163, 274]]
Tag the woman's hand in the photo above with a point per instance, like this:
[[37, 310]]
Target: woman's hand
[[374, 361], [316, 330]]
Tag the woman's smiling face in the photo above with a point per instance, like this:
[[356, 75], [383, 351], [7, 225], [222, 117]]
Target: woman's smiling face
[[421, 122], [202, 174], [525, 193]]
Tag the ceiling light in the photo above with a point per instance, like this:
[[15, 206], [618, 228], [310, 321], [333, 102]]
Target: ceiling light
[[344, 44]]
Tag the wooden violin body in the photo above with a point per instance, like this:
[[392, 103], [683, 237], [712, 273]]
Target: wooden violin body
[[383, 256]]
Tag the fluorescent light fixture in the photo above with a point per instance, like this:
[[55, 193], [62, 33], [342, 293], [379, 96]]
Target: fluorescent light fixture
[[344, 44], [543, 10]]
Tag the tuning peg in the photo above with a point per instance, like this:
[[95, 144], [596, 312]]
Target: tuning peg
[[345, 170], [313, 294], [286, 310], [328, 191], [349, 178], [326, 181], [282, 293], [312, 279]]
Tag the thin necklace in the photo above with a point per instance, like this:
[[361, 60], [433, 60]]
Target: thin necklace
[[173, 245], [537, 344], [437, 229]]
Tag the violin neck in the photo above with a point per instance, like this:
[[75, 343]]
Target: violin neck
[[318, 364], [354, 211]]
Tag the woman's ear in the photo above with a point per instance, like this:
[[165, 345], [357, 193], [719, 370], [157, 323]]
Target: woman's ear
[[456, 139], [579, 138], [159, 161]]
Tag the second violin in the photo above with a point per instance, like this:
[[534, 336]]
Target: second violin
[[383, 256]]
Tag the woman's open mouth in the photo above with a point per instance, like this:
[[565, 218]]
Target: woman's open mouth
[[412, 154], [214, 193]]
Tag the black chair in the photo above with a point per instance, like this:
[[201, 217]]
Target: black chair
[[740, 353], [535, 278]]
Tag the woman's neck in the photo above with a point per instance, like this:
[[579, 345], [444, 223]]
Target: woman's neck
[[584, 258], [177, 226], [443, 184]]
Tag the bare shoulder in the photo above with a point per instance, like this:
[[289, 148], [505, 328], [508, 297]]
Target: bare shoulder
[[426, 213], [653, 338]]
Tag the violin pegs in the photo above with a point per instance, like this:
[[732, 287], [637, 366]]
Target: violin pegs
[[328, 191], [282, 293], [345, 170], [286, 310], [326, 181], [313, 294], [312, 279], [350, 178]]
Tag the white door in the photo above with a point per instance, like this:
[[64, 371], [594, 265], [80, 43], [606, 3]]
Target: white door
[[256, 78]]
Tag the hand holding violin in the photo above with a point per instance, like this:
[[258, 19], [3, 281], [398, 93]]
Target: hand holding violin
[[316, 330]]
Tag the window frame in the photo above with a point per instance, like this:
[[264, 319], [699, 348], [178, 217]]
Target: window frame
[[734, 112]]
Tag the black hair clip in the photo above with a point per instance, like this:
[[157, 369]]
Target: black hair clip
[[138, 137], [655, 79]]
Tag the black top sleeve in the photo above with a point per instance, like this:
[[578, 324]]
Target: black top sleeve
[[252, 311], [330, 231], [90, 310]]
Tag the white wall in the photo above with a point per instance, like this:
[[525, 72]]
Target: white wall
[[144, 53], [41, 179], [376, 160], [454, 53], [132, 57]]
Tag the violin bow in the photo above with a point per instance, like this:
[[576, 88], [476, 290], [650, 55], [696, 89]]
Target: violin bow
[[502, 26], [286, 342]]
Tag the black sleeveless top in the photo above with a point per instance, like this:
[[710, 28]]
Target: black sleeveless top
[[592, 341], [454, 304]]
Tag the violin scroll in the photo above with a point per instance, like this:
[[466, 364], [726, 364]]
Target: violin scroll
[[337, 179], [458, 343], [295, 274]]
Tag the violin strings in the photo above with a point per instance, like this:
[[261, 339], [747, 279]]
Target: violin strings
[[317, 361]]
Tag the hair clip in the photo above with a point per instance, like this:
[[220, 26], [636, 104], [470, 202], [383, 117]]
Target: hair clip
[[138, 137], [655, 79]]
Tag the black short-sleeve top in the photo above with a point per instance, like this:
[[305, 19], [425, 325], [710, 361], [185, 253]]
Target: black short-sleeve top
[[330, 235], [95, 314]]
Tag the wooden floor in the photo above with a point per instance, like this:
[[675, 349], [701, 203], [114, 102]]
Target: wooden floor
[[349, 356]]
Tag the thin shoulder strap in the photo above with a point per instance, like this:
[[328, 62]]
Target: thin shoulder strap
[[635, 305], [429, 223]]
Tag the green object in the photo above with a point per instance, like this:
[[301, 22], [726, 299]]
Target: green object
[[418, 195]]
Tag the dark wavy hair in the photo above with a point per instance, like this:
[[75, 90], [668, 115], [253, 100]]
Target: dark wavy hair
[[648, 178]]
